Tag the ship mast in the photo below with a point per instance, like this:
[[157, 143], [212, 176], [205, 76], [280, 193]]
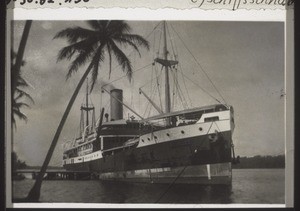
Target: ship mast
[[86, 108], [87, 102], [167, 84], [166, 63]]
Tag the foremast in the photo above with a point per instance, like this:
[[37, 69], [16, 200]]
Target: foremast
[[85, 109]]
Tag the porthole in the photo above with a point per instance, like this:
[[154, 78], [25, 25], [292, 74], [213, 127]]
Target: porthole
[[148, 139], [155, 137], [182, 132], [142, 140], [200, 128], [168, 134]]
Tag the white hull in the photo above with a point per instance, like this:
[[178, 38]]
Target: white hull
[[217, 174]]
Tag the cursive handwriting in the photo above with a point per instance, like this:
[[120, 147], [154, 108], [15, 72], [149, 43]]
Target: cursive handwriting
[[49, 2], [235, 4]]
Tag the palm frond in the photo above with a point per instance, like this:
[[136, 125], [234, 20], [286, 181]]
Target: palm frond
[[21, 93], [125, 42], [68, 51], [118, 27], [136, 39], [109, 58], [21, 82], [97, 25], [80, 60], [19, 105], [99, 57], [75, 34], [20, 115], [122, 59]]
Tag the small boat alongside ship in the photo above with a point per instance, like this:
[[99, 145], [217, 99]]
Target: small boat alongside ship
[[191, 146]]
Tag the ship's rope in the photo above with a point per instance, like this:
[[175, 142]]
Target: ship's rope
[[181, 97], [199, 65], [174, 94], [202, 89], [171, 41], [158, 86], [171, 184], [137, 70], [186, 90], [118, 65]]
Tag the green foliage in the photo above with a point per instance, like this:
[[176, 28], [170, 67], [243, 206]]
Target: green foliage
[[261, 162]]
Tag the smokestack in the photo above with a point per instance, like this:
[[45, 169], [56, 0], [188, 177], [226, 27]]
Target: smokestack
[[116, 108]]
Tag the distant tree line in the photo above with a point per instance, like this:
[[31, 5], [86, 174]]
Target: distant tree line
[[261, 162], [16, 163]]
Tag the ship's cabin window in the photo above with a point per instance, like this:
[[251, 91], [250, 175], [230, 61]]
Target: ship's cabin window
[[211, 119]]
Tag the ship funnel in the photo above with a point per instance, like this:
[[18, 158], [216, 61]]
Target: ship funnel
[[116, 108]]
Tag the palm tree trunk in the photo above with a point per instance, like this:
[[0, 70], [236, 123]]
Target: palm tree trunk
[[34, 193], [16, 69]]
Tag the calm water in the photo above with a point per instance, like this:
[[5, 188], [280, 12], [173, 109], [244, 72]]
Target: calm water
[[257, 186]]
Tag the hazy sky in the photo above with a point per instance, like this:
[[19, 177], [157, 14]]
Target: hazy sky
[[245, 60]]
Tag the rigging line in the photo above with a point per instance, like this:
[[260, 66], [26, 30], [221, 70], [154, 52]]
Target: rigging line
[[175, 88], [173, 92], [159, 43], [118, 65], [171, 41], [199, 65], [144, 114], [149, 82], [150, 108], [171, 184], [203, 89], [147, 106], [182, 94], [179, 95], [154, 42], [180, 68], [126, 75], [158, 86], [152, 91]]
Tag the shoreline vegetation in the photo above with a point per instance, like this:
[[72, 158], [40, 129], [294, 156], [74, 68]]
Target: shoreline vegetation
[[258, 162]]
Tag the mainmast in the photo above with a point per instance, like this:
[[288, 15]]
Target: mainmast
[[166, 64], [167, 84]]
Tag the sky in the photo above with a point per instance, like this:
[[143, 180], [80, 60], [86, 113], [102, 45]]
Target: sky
[[245, 61]]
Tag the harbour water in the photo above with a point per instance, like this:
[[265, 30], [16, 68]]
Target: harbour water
[[249, 186]]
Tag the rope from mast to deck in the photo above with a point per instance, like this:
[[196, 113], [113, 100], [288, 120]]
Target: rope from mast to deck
[[200, 66]]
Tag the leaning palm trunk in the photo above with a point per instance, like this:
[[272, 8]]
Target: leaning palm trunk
[[19, 58], [34, 193]]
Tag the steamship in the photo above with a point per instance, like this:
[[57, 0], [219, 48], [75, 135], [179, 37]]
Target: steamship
[[190, 146]]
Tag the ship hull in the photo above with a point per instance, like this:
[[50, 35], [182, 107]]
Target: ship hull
[[201, 161], [210, 174]]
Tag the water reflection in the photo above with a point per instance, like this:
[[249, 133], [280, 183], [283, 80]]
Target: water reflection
[[121, 192]]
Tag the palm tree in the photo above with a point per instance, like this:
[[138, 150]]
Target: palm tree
[[19, 94], [90, 44], [15, 70]]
